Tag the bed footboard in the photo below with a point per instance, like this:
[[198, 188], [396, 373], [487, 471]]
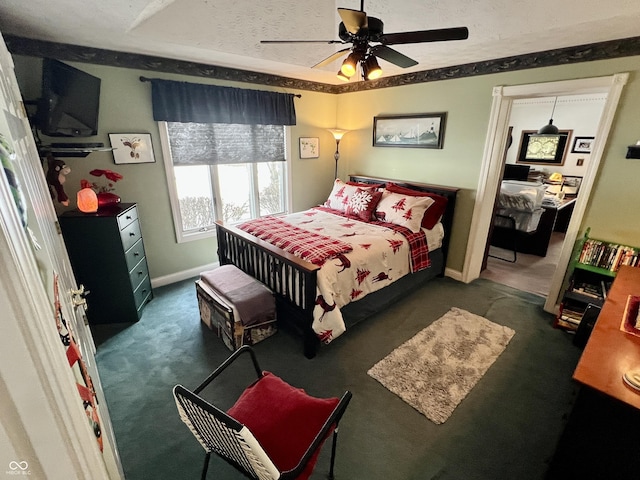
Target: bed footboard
[[292, 279]]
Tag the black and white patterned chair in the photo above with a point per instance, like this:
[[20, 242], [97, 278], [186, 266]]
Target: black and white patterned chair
[[273, 431]]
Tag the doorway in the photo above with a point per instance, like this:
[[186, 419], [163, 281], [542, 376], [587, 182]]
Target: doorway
[[491, 169], [539, 189]]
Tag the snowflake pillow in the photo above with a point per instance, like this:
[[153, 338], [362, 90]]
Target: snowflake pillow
[[339, 197], [362, 204], [404, 210]]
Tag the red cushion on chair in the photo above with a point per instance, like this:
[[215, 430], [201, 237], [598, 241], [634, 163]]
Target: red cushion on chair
[[284, 419]]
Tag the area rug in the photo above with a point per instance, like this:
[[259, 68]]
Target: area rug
[[436, 369]]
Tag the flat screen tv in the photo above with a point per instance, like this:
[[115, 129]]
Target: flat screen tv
[[69, 103]]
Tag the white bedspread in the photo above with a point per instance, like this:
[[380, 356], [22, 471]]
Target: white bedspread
[[379, 257]]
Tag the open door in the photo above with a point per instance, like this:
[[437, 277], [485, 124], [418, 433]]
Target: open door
[[54, 421]]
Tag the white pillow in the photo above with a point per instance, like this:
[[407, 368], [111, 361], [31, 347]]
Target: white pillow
[[404, 210], [341, 193]]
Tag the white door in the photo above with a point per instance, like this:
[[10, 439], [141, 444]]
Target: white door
[[54, 421]]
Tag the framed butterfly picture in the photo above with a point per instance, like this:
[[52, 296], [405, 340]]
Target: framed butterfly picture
[[132, 148]]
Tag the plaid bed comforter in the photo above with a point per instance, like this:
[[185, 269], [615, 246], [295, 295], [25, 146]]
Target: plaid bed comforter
[[356, 257], [308, 245]]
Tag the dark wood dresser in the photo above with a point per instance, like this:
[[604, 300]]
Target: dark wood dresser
[[107, 255]]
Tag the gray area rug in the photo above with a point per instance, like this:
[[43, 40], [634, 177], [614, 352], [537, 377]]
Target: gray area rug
[[436, 369]]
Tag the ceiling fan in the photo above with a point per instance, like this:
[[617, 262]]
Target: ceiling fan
[[370, 42]]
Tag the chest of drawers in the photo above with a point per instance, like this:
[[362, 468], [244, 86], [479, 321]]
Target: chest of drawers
[[107, 255]]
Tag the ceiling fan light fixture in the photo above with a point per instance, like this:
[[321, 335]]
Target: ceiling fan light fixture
[[342, 76], [371, 69], [350, 64]]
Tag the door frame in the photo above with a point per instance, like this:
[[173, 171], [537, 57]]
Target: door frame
[[489, 179]]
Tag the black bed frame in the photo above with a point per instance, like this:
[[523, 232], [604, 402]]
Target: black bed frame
[[292, 279]]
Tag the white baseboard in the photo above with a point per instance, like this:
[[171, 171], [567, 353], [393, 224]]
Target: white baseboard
[[455, 274], [183, 275]]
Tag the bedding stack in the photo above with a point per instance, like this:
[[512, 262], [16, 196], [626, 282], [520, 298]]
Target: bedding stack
[[237, 306]]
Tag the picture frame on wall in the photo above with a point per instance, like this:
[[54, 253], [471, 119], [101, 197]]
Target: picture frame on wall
[[414, 131], [536, 149], [582, 144], [132, 148], [309, 147]]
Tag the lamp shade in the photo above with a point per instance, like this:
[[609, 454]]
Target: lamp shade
[[87, 200], [350, 64], [338, 133], [549, 129]]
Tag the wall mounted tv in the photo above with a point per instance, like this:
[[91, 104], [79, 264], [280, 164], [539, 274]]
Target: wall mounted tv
[[69, 103]]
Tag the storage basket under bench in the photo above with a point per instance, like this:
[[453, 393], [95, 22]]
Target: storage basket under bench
[[240, 308]]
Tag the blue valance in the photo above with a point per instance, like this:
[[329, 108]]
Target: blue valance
[[198, 103]]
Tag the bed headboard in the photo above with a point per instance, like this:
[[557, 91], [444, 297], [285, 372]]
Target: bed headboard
[[449, 192]]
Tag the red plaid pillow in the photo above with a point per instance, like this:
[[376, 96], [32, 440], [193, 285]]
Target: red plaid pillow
[[362, 204]]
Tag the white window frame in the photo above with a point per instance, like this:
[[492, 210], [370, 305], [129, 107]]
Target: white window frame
[[181, 236]]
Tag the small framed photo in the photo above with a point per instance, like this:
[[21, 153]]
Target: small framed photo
[[309, 147], [132, 148], [582, 144], [414, 131]]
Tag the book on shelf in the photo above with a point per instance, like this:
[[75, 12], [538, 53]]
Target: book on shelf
[[609, 256]]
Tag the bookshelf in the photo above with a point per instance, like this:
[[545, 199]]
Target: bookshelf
[[594, 266]]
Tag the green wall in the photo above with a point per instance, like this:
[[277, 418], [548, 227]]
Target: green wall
[[126, 107], [468, 105]]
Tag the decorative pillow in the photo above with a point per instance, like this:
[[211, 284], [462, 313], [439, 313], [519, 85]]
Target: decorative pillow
[[340, 194], [405, 210], [434, 212], [284, 419], [363, 203]]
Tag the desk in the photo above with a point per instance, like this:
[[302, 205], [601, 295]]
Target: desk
[[610, 352]]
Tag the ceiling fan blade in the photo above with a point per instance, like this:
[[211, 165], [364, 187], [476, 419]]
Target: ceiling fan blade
[[393, 56], [438, 35], [353, 20], [301, 41], [331, 58]]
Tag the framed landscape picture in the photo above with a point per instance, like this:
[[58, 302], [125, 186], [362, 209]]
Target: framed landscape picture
[[415, 131]]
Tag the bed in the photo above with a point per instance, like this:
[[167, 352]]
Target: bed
[[300, 285]]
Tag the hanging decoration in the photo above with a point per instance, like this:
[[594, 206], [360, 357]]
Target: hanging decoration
[[76, 362]]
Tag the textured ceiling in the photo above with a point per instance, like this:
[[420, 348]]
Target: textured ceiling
[[228, 33]]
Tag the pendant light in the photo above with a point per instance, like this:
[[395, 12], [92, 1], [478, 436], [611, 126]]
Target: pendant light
[[550, 128]]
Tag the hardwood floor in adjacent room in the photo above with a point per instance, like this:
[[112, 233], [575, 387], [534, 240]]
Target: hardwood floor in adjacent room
[[530, 273]]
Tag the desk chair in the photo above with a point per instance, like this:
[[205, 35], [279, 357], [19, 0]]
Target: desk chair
[[273, 431]]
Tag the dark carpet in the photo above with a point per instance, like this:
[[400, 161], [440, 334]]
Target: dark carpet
[[508, 427]]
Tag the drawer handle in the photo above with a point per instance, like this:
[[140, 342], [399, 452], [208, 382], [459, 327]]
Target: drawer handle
[[132, 234], [140, 273], [136, 254], [128, 217]]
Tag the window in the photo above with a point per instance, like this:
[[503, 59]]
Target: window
[[223, 172]]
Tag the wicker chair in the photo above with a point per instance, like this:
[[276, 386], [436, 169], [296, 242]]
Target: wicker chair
[[273, 431]]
